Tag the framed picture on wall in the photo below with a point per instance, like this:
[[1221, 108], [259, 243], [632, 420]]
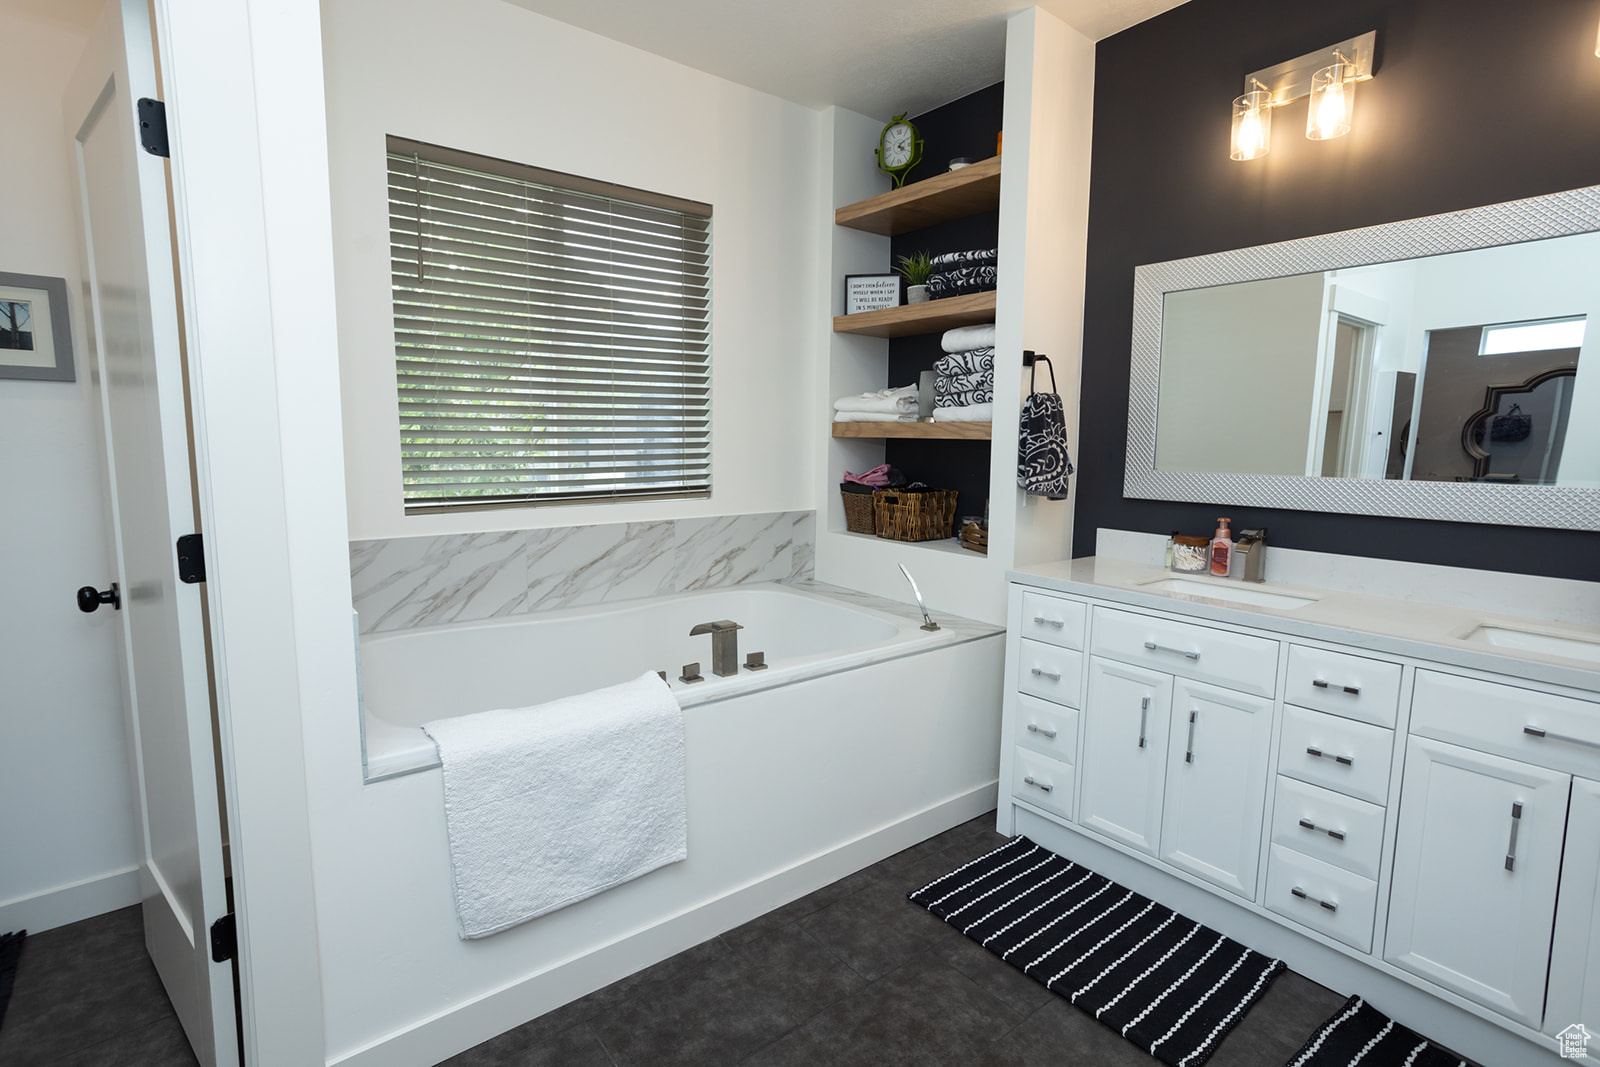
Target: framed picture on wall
[[35, 336], [870, 292]]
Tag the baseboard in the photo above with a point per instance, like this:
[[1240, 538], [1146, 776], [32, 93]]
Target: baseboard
[[69, 903], [443, 1035]]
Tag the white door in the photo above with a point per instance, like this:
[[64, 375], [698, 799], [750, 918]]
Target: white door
[[1475, 872], [1216, 785], [133, 326], [1125, 753], [1575, 955]]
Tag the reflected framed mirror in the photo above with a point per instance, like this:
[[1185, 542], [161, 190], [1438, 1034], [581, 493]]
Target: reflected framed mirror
[[1437, 368]]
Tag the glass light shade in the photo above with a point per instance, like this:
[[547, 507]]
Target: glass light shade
[[1332, 98], [1252, 125]]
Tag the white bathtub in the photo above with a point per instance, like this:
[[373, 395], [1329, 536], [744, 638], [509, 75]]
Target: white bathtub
[[865, 736], [410, 677]]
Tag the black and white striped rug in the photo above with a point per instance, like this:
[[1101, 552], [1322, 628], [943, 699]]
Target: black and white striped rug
[[1360, 1034], [1169, 985]]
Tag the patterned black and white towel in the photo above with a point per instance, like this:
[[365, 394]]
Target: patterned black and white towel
[[977, 257], [1169, 985], [1360, 1034], [976, 361], [961, 390], [960, 280]]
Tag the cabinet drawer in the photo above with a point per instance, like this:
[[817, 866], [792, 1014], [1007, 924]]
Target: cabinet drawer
[[1049, 671], [1049, 729], [1496, 718], [1328, 826], [1052, 619], [1319, 895], [1247, 664], [1351, 757], [1353, 686], [1043, 782]]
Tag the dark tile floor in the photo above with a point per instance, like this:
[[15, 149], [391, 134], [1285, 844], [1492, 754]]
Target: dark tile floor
[[852, 974]]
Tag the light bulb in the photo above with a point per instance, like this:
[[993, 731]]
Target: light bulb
[[1252, 125], [1331, 100]]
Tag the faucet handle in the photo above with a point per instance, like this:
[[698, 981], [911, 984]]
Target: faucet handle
[[718, 627]]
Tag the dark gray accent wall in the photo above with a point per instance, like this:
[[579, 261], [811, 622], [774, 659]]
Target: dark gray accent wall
[[1475, 102]]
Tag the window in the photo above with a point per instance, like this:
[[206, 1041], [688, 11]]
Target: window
[[1532, 336], [551, 334]]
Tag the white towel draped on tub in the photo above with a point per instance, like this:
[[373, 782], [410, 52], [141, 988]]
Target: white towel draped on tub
[[551, 804]]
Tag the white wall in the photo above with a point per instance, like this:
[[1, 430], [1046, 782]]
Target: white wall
[[487, 77], [68, 832]]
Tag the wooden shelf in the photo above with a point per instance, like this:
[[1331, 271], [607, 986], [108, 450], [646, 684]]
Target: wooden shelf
[[926, 431], [932, 316], [952, 195]]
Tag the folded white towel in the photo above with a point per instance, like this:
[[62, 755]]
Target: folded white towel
[[968, 413], [874, 416], [893, 401], [966, 338], [548, 805]]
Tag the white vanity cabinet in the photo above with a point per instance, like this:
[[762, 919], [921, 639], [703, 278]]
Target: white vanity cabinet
[[1575, 953]]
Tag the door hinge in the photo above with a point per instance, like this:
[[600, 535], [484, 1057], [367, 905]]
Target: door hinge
[[224, 939], [191, 559], [153, 127]]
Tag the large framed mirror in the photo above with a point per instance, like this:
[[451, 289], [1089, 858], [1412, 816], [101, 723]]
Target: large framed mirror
[[1439, 368]]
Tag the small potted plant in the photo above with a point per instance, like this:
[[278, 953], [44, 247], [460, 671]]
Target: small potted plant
[[916, 268]]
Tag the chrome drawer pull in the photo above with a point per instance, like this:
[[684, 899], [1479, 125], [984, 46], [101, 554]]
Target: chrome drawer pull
[[1511, 849], [1144, 713], [1039, 785], [1042, 621], [1348, 761], [1534, 731], [1337, 835], [1188, 755], [1153, 647], [1034, 728], [1037, 673], [1303, 895], [1353, 690]]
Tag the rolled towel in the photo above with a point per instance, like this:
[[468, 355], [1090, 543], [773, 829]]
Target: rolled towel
[[977, 361], [977, 257], [876, 416], [886, 401], [968, 338], [967, 413], [951, 391]]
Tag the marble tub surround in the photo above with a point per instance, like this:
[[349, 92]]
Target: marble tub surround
[[401, 582]]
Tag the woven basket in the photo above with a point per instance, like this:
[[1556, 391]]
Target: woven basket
[[927, 515], [858, 512]]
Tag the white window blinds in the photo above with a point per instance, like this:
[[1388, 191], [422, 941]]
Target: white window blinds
[[551, 334]]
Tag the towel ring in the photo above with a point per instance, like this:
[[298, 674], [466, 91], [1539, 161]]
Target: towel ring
[[1032, 361]]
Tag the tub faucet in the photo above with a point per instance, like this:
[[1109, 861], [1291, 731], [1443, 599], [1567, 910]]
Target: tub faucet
[[724, 645], [927, 620]]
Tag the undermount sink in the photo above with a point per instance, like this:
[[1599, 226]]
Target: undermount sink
[[1535, 641], [1229, 592]]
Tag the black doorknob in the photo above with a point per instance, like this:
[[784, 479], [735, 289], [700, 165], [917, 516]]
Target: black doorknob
[[90, 598]]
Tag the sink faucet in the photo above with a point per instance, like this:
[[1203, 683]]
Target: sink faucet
[[724, 645]]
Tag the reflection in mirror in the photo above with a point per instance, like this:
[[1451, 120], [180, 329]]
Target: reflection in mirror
[[1456, 367]]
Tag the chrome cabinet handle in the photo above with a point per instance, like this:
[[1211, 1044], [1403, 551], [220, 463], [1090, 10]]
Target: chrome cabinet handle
[[1188, 755], [1534, 731], [1037, 673], [1144, 713], [1353, 690], [1516, 823], [1337, 835], [1303, 895], [1039, 785], [1042, 621], [1348, 761], [1153, 647], [1034, 728]]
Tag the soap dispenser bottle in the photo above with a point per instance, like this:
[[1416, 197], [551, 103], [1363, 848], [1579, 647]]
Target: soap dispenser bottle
[[1222, 549]]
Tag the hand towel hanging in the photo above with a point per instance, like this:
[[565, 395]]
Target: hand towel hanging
[[1043, 465]]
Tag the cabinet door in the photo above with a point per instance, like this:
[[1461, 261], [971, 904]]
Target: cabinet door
[[1216, 789], [1475, 872], [1575, 960], [1125, 753]]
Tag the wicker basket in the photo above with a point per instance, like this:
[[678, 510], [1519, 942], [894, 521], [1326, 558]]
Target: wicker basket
[[924, 515], [858, 512]]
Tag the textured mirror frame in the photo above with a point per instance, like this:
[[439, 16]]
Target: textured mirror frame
[[1562, 507]]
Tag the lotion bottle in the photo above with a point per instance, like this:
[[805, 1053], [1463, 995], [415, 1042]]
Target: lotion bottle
[[1222, 549]]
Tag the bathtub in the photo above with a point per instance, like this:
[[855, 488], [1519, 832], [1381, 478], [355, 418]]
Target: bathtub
[[864, 736]]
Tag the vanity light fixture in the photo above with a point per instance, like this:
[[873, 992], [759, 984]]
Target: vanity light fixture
[[1327, 76]]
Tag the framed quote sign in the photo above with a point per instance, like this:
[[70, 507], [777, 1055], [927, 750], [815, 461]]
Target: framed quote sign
[[870, 292]]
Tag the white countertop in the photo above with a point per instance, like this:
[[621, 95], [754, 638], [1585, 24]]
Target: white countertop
[[1407, 627]]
